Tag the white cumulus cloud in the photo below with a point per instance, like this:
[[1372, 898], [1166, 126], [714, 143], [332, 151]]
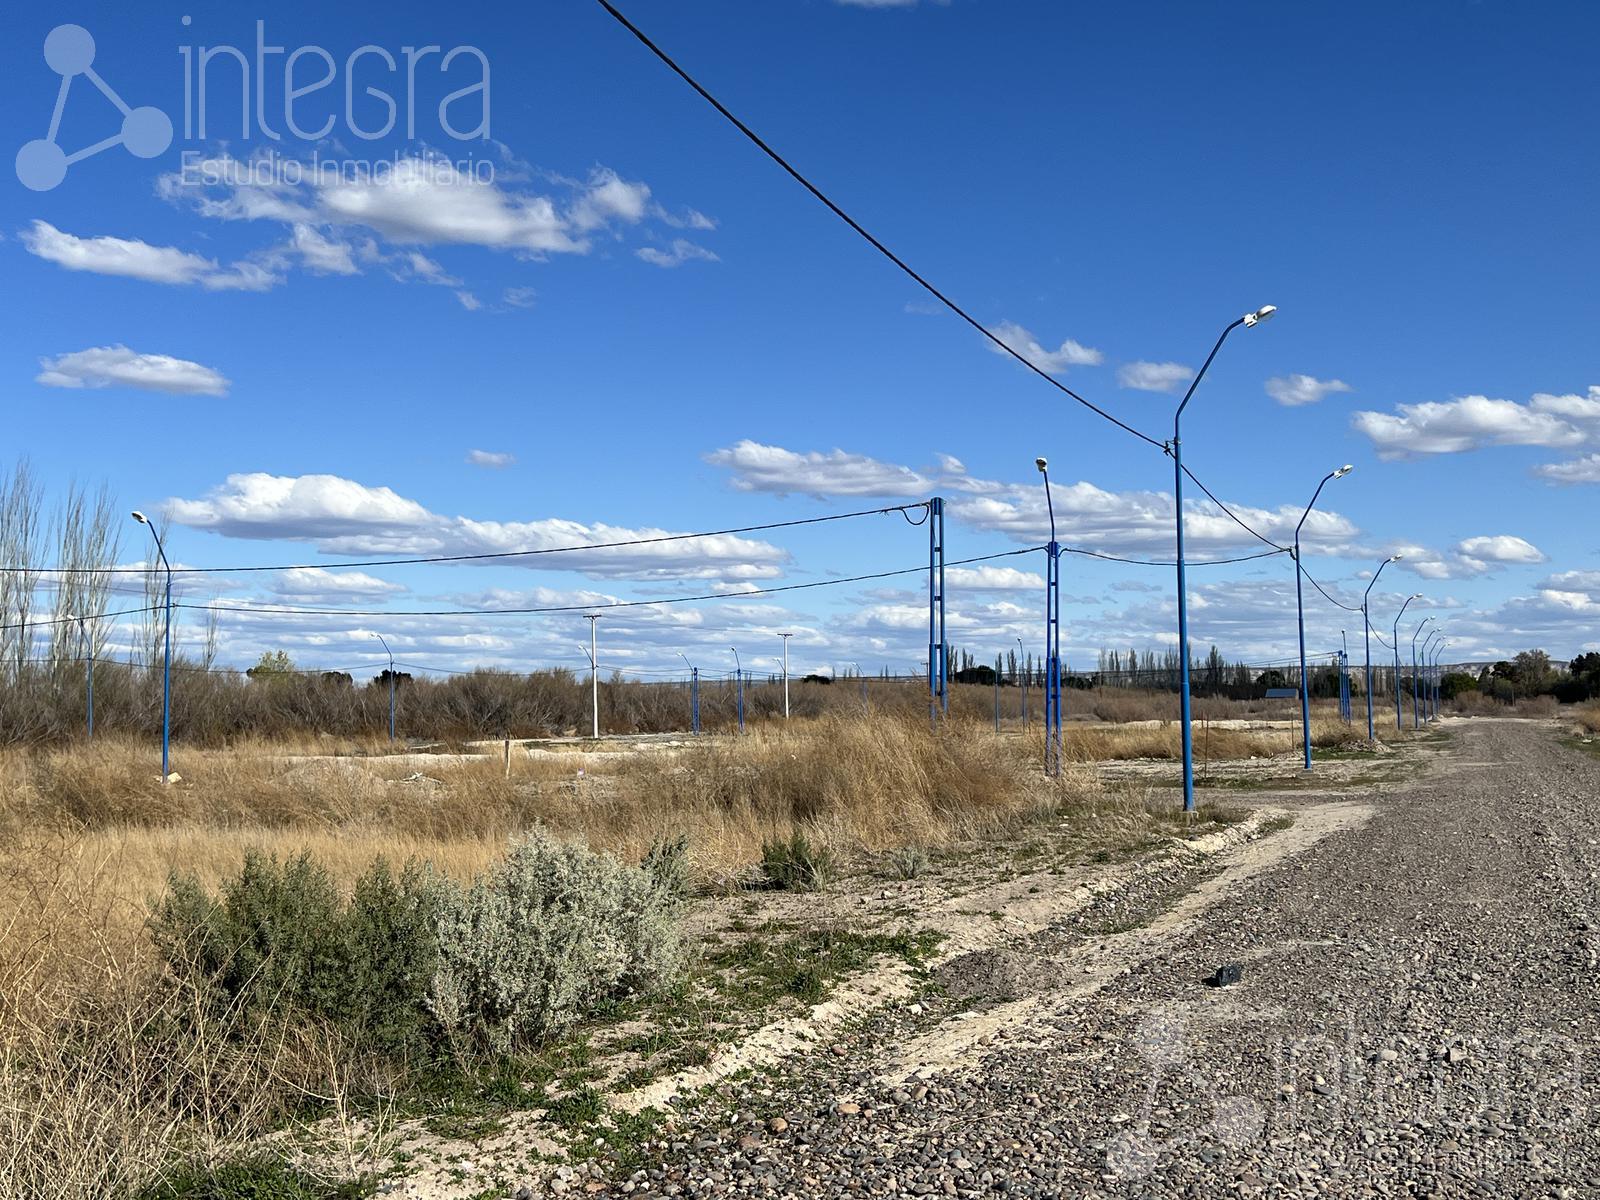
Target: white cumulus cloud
[[1473, 422], [490, 458], [1578, 470], [1501, 548], [118, 366], [1068, 354], [1295, 390], [317, 584], [759, 468], [342, 516], [131, 258], [679, 252], [1153, 376]]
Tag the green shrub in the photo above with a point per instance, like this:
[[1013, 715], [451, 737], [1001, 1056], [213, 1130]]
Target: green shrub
[[415, 966], [796, 865], [268, 940], [250, 1179], [545, 936], [391, 954]]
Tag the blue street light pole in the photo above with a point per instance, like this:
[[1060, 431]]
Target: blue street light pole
[[390, 653], [738, 683], [1023, 671], [1416, 719], [1344, 677], [1300, 613], [1052, 635], [694, 693], [166, 656], [1175, 448], [1396, 634], [1427, 671], [1366, 625], [1437, 674]]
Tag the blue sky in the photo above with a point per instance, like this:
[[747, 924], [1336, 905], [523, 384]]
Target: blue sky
[[643, 325]]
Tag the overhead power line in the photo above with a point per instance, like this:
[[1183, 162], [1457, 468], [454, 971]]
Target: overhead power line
[[275, 610], [485, 555], [125, 612], [288, 610], [873, 241], [1326, 596], [878, 245], [1153, 562], [1237, 520]]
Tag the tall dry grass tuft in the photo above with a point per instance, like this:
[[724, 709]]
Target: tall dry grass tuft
[[852, 784], [1587, 718], [1108, 743], [110, 1075]]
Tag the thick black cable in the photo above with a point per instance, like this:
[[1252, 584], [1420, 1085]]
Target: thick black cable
[[856, 225], [1325, 596], [284, 610], [1237, 520], [126, 612], [1151, 562], [561, 608], [446, 558]]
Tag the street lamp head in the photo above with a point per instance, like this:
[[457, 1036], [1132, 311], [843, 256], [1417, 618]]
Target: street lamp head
[[1343, 471], [1264, 313], [1043, 465], [1395, 557], [140, 517]]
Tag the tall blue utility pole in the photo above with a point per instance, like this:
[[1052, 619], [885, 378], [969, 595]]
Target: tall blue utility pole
[[1366, 626], [1344, 677], [1437, 674], [1175, 448], [738, 677], [1300, 612], [1052, 634], [166, 656], [1396, 635], [1427, 682], [1416, 719], [1022, 670], [938, 686]]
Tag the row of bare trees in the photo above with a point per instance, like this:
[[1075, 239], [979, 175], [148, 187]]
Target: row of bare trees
[[53, 578]]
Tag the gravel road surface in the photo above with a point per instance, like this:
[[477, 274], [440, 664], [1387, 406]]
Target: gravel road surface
[[1419, 1014]]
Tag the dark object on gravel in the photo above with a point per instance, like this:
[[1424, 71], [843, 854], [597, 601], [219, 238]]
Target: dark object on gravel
[[1226, 974]]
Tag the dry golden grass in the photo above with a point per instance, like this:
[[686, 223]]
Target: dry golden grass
[[1587, 718], [92, 1097], [1109, 743], [99, 1091]]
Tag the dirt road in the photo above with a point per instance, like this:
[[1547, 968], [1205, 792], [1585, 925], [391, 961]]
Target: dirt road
[[1419, 1014]]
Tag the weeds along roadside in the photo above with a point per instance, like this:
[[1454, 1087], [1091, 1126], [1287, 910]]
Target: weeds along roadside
[[162, 1072]]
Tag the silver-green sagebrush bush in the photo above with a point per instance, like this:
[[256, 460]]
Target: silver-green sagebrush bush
[[414, 966], [545, 936]]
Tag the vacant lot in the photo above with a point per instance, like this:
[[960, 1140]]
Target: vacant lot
[[110, 1077]]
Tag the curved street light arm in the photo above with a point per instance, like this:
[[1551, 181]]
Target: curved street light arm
[[1200, 374]]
